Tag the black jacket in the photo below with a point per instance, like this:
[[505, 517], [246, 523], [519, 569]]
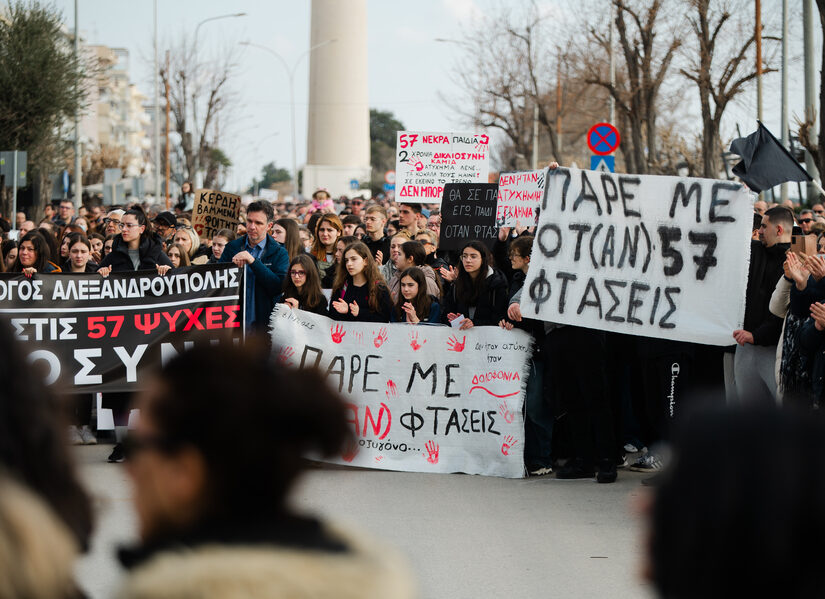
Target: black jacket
[[382, 245], [490, 307], [764, 272], [151, 254]]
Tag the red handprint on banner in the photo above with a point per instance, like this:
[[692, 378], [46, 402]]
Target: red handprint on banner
[[382, 336], [453, 344], [414, 341], [350, 451], [337, 333], [284, 356], [359, 337], [505, 412], [392, 391], [432, 452], [509, 441]]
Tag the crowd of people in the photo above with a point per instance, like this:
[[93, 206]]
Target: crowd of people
[[378, 261]]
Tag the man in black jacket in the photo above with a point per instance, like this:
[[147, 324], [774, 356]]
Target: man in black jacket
[[755, 359]]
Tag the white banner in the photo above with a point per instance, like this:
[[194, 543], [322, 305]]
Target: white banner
[[519, 197], [655, 256], [426, 161], [422, 398]]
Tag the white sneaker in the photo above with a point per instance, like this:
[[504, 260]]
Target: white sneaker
[[87, 435], [74, 436]]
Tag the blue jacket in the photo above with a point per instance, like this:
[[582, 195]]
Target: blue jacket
[[269, 270]]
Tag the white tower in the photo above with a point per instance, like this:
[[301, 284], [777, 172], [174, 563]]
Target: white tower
[[338, 138]]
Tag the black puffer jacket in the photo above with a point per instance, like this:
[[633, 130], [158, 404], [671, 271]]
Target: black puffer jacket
[[765, 271], [490, 307], [151, 254]]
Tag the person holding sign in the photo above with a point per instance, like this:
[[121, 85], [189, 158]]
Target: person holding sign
[[415, 304], [478, 297], [359, 292], [266, 263]]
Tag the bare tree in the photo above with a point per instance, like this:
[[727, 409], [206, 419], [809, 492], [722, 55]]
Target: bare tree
[[646, 65], [199, 93], [721, 70]]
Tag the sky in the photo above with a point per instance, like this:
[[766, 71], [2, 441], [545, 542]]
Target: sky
[[409, 71]]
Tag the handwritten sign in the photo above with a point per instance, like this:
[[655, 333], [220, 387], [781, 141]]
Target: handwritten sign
[[215, 210], [426, 161], [654, 256], [421, 398], [519, 198], [468, 212]]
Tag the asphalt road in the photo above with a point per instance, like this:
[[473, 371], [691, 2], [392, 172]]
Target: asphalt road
[[465, 536]]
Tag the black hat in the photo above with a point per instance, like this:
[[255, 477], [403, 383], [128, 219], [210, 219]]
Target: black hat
[[166, 218]]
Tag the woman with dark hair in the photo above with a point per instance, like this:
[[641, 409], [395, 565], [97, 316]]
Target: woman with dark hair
[[9, 254], [177, 255], [479, 293], [64, 235], [302, 286], [135, 248], [215, 518], [33, 255], [328, 279], [32, 440], [412, 253], [80, 254], [285, 231], [414, 303], [359, 292], [327, 231], [732, 530]]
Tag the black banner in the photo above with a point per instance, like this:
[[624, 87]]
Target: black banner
[[468, 211], [91, 334]]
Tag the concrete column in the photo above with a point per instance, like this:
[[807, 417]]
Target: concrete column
[[338, 142]]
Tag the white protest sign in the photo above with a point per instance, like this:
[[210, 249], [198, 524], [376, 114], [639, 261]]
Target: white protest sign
[[421, 398], [662, 257], [426, 161], [519, 197]]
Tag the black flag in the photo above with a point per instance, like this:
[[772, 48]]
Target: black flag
[[765, 161]]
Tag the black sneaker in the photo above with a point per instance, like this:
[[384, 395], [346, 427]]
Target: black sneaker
[[117, 454], [607, 471], [575, 469]]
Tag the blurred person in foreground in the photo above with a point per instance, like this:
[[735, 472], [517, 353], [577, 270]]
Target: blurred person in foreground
[[734, 530], [215, 518]]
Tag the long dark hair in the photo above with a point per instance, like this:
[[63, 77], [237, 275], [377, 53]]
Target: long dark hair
[[41, 247], [310, 294], [467, 289], [137, 211], [292, 243], [208, 390], [375, 282], [421, 302]]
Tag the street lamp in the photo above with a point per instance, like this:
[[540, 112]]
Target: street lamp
[[291, 75], [194, 99]]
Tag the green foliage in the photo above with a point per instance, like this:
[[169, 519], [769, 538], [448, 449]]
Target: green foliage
[[39, 76], [270, 174], [383, 129]]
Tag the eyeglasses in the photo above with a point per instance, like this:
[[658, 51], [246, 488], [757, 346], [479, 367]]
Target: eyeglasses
[[819, 211], [129, 225], [113, 221], [806, 220], [297, 273], [356, 202]]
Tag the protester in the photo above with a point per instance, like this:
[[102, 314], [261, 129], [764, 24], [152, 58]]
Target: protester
[[413, 254], [328, 280], [108, 244], [164, 224], [177, 255], [478, 297], [306, 237], [302, 288], [327, 231], [266, 263], [219, 241], [408, 217], [65, 214], [9, 251], [390, 267], [350, 223], [80, 254], [393, 227], [215, 519], [186, 237], [97, 240], [285, 232], [429, 239], [415, 304], [359, 292], [33, 256], [755, 356], [112, 222], [136, 248], [186, 200]]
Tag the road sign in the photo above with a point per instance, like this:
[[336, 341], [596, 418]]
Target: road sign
[[389, 177], [354, 185], [389, 186], [7, 167], [604, 164], [603, 139]]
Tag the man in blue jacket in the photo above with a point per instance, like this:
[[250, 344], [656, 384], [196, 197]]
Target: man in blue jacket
[[266, 262]]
